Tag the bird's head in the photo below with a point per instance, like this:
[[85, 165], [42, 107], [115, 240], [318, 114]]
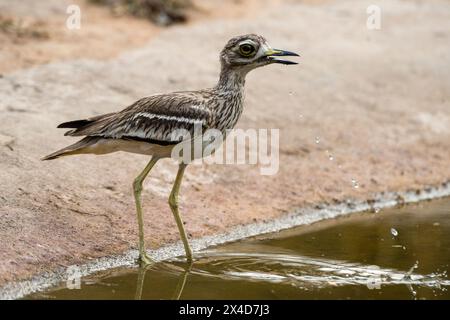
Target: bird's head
[[247, 52]]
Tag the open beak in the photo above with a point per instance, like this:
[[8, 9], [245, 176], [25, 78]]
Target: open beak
[[272, 55]]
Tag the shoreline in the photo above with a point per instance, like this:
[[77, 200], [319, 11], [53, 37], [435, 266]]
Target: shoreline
[[296, 218]]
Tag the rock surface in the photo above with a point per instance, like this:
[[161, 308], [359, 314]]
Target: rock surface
[[375, 102]]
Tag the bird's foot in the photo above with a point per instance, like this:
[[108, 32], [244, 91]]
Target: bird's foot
[[189, 259], [145, 260]]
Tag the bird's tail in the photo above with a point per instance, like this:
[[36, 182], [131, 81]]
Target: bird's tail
[[75, 148]]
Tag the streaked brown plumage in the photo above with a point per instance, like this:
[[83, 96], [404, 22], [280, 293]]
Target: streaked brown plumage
[[146, 126]]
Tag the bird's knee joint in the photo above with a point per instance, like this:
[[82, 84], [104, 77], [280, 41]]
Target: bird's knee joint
[[137, 185], [173, 202]]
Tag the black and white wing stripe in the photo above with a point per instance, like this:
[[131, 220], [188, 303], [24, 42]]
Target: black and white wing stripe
[[156, 119]]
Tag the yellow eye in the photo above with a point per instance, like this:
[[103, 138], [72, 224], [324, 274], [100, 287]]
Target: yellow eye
[[246, 49]]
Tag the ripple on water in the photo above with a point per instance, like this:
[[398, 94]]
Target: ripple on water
[[344, 258], [304, 271]]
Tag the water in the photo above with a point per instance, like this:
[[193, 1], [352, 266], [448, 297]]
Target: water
[[355, 184], [330, 156], [355, 257], [394, 232]]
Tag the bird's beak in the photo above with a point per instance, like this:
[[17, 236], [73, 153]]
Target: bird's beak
[[272, 55]]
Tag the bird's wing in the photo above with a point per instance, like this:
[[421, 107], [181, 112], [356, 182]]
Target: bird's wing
[[162, 119]]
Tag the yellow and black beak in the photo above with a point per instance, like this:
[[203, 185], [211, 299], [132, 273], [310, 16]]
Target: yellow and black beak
[[272, 55]]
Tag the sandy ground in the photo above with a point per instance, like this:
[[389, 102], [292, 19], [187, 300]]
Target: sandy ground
[[37, 33], [377, 101]]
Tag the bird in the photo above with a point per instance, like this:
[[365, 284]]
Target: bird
[[146, 127]]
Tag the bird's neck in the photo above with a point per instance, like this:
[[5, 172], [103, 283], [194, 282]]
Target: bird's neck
[[229, 98], [231, 79]]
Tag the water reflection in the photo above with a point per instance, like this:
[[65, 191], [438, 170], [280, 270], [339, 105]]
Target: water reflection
[[357, 257], [178, 289], [301, 272]]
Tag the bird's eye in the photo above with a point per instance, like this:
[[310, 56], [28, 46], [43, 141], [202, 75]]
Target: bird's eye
[[246, 49]]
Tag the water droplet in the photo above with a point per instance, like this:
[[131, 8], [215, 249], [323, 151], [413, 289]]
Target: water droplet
[[317, 140], [330, 156], [411, 270], [291, 93], [355, 184], [394, 232], [301, 116], [376, 210]]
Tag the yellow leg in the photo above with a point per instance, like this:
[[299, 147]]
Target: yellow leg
[[173, 203], [137, 188], [140, 282], [182, 283]]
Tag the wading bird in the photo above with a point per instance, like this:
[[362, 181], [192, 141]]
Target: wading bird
[[146, 127]]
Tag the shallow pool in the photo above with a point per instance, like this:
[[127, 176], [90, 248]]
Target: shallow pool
[[398, 253]]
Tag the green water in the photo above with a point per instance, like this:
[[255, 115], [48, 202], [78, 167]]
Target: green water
[[355, 257]]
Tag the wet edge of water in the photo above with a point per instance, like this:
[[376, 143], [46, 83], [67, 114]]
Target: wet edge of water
[[297, 217]]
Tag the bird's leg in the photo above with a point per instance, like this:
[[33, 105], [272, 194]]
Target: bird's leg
[[173, 203], [140, 282], [182, 282], [137, 187]]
